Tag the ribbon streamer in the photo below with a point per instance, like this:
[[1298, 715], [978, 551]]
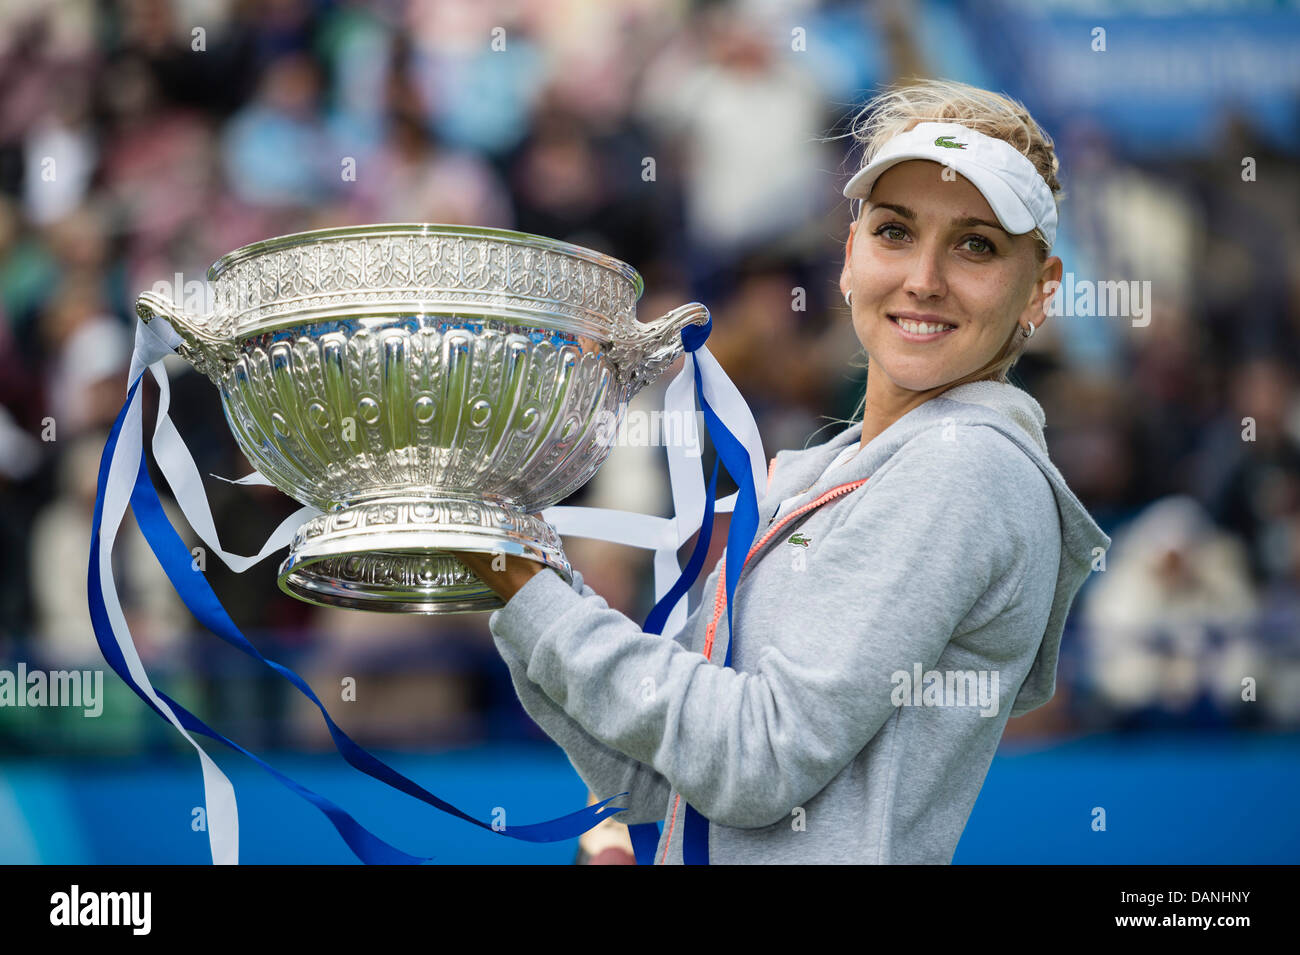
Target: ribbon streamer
[[115, 642], [734, 434], [192, 586], [713, 387]]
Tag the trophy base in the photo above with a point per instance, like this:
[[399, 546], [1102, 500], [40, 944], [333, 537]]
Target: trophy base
[[389, 555]]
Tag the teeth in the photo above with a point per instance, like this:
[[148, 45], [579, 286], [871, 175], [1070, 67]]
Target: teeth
[[921, 328]]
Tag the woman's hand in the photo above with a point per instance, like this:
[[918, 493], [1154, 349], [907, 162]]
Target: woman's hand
[[507, 577]]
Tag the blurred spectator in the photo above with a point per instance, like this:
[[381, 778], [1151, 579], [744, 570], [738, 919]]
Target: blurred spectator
[[1253, 469], [61, 154], [158, 172], [478, 72], [1094, 440], [773, 303], [1251, 237], [746, 123], [1168, 622], [27, 270], [276, 149], [415, 180], [91, 353]]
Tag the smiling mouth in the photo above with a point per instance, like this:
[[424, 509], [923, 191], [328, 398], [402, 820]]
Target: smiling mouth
[[920, 331]]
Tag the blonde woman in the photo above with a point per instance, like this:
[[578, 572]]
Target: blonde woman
[[907, 589]]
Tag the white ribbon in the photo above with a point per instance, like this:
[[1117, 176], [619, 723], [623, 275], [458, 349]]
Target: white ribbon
[[218, 793], [664, 535]]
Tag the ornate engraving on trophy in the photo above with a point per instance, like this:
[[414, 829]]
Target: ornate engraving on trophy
[[428, 387]]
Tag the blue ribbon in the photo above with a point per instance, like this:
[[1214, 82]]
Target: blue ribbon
[[193, 588], [744, 524]]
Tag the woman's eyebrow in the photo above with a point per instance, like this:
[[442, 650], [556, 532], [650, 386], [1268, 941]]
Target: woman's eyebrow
[[963, 223]]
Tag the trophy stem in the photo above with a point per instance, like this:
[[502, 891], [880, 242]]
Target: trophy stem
[[389, 554]]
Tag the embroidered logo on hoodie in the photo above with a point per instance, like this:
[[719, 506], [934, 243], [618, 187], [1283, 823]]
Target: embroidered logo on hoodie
[[799, 539]]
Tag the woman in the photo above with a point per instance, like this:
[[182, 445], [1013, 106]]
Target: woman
[[909, 584]]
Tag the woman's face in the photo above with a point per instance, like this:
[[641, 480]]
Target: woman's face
[[908, 252]]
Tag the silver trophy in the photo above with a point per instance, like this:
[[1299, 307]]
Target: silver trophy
[[428, 388]]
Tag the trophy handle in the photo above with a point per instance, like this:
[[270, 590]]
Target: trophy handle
[[642, 350], [208, 353]]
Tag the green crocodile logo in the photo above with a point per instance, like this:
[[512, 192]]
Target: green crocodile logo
[[797, 538], [947, 142]]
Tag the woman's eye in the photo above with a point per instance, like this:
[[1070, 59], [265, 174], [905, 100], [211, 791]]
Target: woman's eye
[[985, 246]]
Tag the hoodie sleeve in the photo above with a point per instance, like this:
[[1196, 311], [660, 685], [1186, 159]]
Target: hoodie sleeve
[[929, 541], [606, 771]]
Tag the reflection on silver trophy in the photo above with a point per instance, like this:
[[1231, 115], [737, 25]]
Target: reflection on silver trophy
[[429, 388]]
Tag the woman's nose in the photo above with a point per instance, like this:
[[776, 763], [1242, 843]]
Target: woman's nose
[[925, 272]]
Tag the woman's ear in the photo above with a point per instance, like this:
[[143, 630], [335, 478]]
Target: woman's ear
[[1049, 279], [846, 274]]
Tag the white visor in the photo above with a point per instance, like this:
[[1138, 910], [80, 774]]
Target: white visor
[[1005, 177]]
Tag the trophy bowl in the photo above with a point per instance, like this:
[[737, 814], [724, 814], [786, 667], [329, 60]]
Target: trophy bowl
[[428, 388]]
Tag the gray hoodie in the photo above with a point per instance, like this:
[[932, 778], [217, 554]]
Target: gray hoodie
[[878, 657]]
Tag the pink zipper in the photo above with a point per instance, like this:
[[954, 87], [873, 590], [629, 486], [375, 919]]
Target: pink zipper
[[720, 597]]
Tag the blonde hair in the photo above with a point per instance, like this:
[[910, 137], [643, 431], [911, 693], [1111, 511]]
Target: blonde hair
[[903, 105]]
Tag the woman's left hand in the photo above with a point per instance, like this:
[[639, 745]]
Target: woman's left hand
[[505, 580]]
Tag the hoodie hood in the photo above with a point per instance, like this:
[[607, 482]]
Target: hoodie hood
[[1020, 418]]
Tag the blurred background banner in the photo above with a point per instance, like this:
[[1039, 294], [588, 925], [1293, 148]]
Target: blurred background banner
[[706, 144], [1156, 77]]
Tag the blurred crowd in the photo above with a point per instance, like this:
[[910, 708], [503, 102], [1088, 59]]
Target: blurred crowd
[[141, 141]]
